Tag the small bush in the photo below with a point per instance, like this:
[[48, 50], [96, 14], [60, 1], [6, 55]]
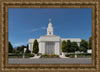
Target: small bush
[[67, 55], [17, 54], [39, 54], [54, 54], [70, 55], [79, 55], [11, 54], [29, 55], [84, 55], [45, 54]]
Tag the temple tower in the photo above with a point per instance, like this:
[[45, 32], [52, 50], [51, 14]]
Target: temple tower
[[50, 28]]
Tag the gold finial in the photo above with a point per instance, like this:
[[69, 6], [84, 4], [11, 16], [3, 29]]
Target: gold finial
[[50, 20]]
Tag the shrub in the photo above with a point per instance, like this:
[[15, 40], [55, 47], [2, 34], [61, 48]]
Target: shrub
[[57, 55], [84, 54], [45, 54], [29, 55], [53, 54], [11, 54], [49, 56], [17, 51], [67, 55], [70, 55], [79, 55], [17, 54], [39, 54]]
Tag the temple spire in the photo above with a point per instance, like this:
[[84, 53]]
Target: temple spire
[[50, 28], [49, 20]]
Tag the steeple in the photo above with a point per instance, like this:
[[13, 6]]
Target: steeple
[[50, 28], [49, 20]]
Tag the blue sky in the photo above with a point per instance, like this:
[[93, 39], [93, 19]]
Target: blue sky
[[25, 24]]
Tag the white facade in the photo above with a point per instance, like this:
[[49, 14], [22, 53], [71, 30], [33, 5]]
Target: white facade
[[50, 44], [89, 51]]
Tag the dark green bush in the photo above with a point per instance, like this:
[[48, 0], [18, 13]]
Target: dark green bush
[[49, 56], [29, 55], [20, 55], [10, 54], [79, 55], [53, 54], [67, 55], [17, 54], [17, 51], [70, 55], [84, 54], [45, 54]]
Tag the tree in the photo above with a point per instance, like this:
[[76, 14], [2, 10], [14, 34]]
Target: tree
[[27, 50], [21, 48], [64, 46], [35, 46], [74, 47], [83, 45], [90, 43], [13, 51], [68, 45], [10, 47]]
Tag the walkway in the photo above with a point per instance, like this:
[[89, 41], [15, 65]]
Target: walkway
[[50, 61], [35, 57]]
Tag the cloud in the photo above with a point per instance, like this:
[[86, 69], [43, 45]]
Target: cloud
[[36, 29], [20, 43], [33, 30], [43, 28]]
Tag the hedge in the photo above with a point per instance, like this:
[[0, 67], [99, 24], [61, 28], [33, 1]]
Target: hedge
[[70, 55], [86, 54], [21, 55], [29, 55], [79, 55]]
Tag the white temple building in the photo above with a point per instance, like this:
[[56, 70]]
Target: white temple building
[[50, 43]]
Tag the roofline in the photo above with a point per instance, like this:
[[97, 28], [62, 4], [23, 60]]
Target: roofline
[[70, 38]]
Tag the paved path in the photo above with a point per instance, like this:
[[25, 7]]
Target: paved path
[[50, 61], [35, 57], [63, 56]]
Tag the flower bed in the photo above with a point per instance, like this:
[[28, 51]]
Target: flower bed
[[49, 56]]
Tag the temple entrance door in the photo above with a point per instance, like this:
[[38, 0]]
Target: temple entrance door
[[49, 49]]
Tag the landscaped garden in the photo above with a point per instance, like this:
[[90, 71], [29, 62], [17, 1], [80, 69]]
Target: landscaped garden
[[49, 56], [67, 46]]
